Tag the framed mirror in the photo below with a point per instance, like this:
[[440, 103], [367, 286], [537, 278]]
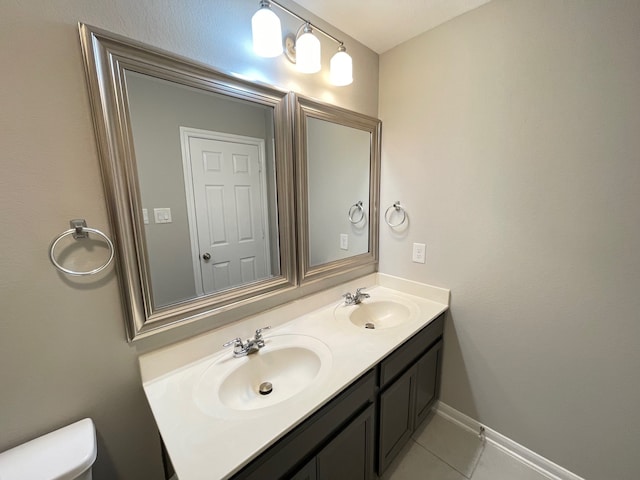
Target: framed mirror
[[338, 164], [198, 174]]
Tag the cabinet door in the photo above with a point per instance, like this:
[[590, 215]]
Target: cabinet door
[[396, 418], [427, 381], [350, 454], [308, 472]]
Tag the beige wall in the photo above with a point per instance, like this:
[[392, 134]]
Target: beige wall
[[512, 135], [63, 352]]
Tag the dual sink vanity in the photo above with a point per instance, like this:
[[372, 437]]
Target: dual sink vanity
[[343, 397], [266, 212]]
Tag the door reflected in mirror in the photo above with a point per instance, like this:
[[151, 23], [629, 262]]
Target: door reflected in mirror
[[198, 174], [198, 169], [206, 171]]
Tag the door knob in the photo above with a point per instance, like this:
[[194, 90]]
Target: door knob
[[206, 256]]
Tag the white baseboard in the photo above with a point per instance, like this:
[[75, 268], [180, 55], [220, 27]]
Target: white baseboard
[[537, 462]]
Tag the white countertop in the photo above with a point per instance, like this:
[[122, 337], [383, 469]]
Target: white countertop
[[219, 443]]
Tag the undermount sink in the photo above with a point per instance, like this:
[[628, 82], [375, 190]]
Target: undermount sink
[[286, 366], [374, 314]]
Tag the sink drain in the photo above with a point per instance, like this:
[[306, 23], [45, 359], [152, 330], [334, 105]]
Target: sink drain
[[265, 388], [370, 326]]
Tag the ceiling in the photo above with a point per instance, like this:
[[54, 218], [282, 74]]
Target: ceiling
[[383, 24]]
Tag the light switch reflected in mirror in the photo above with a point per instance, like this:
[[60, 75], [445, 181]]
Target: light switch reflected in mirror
[[338, 157], [198, 174], [338, 164], [198, 169]]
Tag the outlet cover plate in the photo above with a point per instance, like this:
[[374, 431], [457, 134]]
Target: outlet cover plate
[[419, 253]]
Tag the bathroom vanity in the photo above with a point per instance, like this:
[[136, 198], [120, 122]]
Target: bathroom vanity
[[329, 390], [358, 433], [345, 398]]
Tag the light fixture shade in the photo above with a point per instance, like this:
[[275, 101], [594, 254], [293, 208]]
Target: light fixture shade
[[308, 52], [341, 72], [267, 32]]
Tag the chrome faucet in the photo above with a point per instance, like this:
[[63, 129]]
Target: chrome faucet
[[252, 345], [355, 298]]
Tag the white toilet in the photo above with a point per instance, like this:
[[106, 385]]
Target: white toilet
[[65, 454]]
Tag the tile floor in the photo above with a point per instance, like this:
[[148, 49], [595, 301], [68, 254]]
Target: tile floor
[[441, 450]]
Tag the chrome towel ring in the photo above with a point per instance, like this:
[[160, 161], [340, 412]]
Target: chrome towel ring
[[80, 230], [396, 208], [354, 210]]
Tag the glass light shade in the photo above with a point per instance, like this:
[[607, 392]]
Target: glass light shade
[[267, 33], [308, 53], [341, 72]]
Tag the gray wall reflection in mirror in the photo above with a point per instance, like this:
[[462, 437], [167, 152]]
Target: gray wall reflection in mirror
[[209, 160], [338, 166]]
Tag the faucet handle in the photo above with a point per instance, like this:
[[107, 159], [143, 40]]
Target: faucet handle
[[236, 342], [349, 298], [258, 336], [361, 294]]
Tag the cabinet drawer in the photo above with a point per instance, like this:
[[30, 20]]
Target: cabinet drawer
[[407, 353]]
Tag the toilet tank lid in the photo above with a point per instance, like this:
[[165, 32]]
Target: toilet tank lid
[[61, 454]]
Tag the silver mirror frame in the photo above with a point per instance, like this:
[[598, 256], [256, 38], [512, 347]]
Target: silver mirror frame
[[306, 108], [106, 57]]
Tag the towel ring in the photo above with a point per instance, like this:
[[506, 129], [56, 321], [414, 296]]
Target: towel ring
[[352, 211], [398, 208], [80, 230]]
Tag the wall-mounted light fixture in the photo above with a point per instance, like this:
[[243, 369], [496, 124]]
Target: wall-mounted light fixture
[[303, 50]]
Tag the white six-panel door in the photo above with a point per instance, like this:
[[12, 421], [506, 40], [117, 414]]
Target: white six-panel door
[[228, 208]]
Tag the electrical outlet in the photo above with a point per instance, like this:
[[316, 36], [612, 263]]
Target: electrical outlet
[[419, 253], [145, 216], [344, 241]]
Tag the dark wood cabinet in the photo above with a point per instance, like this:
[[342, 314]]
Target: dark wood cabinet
[[350, 454], [427, 382], [409, 385], [308, 472], [406, 354], [406, 402], [289, 457], [396, 418]]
